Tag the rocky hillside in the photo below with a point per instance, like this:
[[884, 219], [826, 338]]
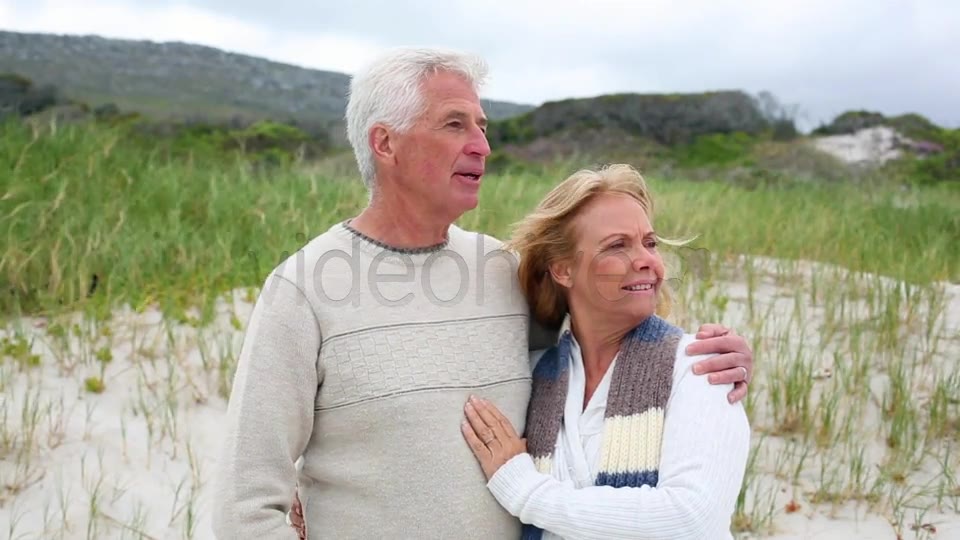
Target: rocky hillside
[[667, 119], [181, 80]]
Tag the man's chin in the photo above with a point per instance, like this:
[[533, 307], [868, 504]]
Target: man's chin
[[467, 202]]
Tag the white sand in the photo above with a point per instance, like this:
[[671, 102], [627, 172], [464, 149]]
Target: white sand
[[153, 476], [151, 482], [869, 146]]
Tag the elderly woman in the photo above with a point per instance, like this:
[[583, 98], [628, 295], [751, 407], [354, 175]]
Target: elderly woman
[[622, 440]]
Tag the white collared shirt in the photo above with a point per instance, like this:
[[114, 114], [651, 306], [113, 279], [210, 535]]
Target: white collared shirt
[[577, 456]]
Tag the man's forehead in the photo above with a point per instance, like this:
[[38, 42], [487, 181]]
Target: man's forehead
[[461, 108]]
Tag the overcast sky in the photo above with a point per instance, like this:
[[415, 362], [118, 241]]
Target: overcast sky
[[824, 56]]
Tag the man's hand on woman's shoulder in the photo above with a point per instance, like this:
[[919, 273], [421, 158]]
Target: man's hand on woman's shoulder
[[732, 361]]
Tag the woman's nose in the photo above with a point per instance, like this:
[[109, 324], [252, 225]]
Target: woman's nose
[[642, 259]]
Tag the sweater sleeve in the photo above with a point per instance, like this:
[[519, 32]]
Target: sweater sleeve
[[269, 417], [704, 455]]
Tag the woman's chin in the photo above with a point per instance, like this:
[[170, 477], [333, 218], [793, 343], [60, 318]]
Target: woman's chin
[[636, 314], [645, 311], [631, 310]]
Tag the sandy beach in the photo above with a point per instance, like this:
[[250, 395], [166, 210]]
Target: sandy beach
[[111, 429]]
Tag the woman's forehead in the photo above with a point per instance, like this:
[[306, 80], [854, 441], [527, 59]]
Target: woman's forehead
[[610, 214]]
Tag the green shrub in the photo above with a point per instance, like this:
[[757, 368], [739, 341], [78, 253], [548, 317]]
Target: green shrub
[[19, 96], [717, 149], [514, 130]]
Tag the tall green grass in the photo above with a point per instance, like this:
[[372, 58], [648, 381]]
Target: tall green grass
[[91, 215]]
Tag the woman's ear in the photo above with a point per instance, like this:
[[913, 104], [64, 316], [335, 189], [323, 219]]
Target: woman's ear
[[561, 272]]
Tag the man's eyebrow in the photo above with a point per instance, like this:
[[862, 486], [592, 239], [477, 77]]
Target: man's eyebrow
[[461, 115]]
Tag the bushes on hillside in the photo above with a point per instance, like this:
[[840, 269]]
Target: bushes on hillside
[[941, 167], [20, 97], [264, 142], [716, 149], [668, 119], [851, 122], [911, 125]]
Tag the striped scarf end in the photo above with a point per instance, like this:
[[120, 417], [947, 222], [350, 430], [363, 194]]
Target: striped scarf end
[[531, 532], [628, 479], [544, 464]]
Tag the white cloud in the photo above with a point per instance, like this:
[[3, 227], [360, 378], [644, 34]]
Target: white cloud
[[825, 56], [326, 51], [189, 24], [122, 20]]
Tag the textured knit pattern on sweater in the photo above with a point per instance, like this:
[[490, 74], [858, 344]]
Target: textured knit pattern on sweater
[[633, 420], [350, 387]]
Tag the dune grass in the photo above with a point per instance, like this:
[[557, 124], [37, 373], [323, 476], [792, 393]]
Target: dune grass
[[109, 242], [89, 210]]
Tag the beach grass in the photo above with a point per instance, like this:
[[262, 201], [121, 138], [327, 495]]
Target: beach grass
[[128, 270], [84, 211]]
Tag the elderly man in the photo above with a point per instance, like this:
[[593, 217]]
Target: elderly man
[[364, 346]]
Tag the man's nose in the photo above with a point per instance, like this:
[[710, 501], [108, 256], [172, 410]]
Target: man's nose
[[478, 144]]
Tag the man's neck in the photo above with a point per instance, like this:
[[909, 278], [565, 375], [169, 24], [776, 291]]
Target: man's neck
[[401, 223]]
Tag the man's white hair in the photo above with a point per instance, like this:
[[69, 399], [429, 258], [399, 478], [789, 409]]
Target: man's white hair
[[389, 91]]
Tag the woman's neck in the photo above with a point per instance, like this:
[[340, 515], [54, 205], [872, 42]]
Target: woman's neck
[[599, 343]]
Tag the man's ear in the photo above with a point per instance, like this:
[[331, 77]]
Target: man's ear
[[381, 142]]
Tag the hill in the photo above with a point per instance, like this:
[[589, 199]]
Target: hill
[[183, 81], [219, 96], [668, 119]]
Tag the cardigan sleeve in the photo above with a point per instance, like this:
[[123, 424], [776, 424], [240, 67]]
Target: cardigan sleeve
[[706, 443]]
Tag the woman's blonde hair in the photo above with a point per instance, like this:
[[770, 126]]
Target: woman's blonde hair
[[547, 235]]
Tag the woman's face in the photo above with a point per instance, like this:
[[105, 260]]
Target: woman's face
[[616, 272]]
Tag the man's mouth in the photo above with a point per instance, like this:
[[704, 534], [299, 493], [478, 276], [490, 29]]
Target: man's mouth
[[470, 175]]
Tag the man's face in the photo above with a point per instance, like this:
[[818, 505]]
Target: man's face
[[441, 159]]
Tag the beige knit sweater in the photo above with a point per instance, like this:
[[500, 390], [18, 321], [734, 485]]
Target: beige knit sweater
[[359, 359]]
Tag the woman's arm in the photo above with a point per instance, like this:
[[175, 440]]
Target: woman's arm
[[704, 454]]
